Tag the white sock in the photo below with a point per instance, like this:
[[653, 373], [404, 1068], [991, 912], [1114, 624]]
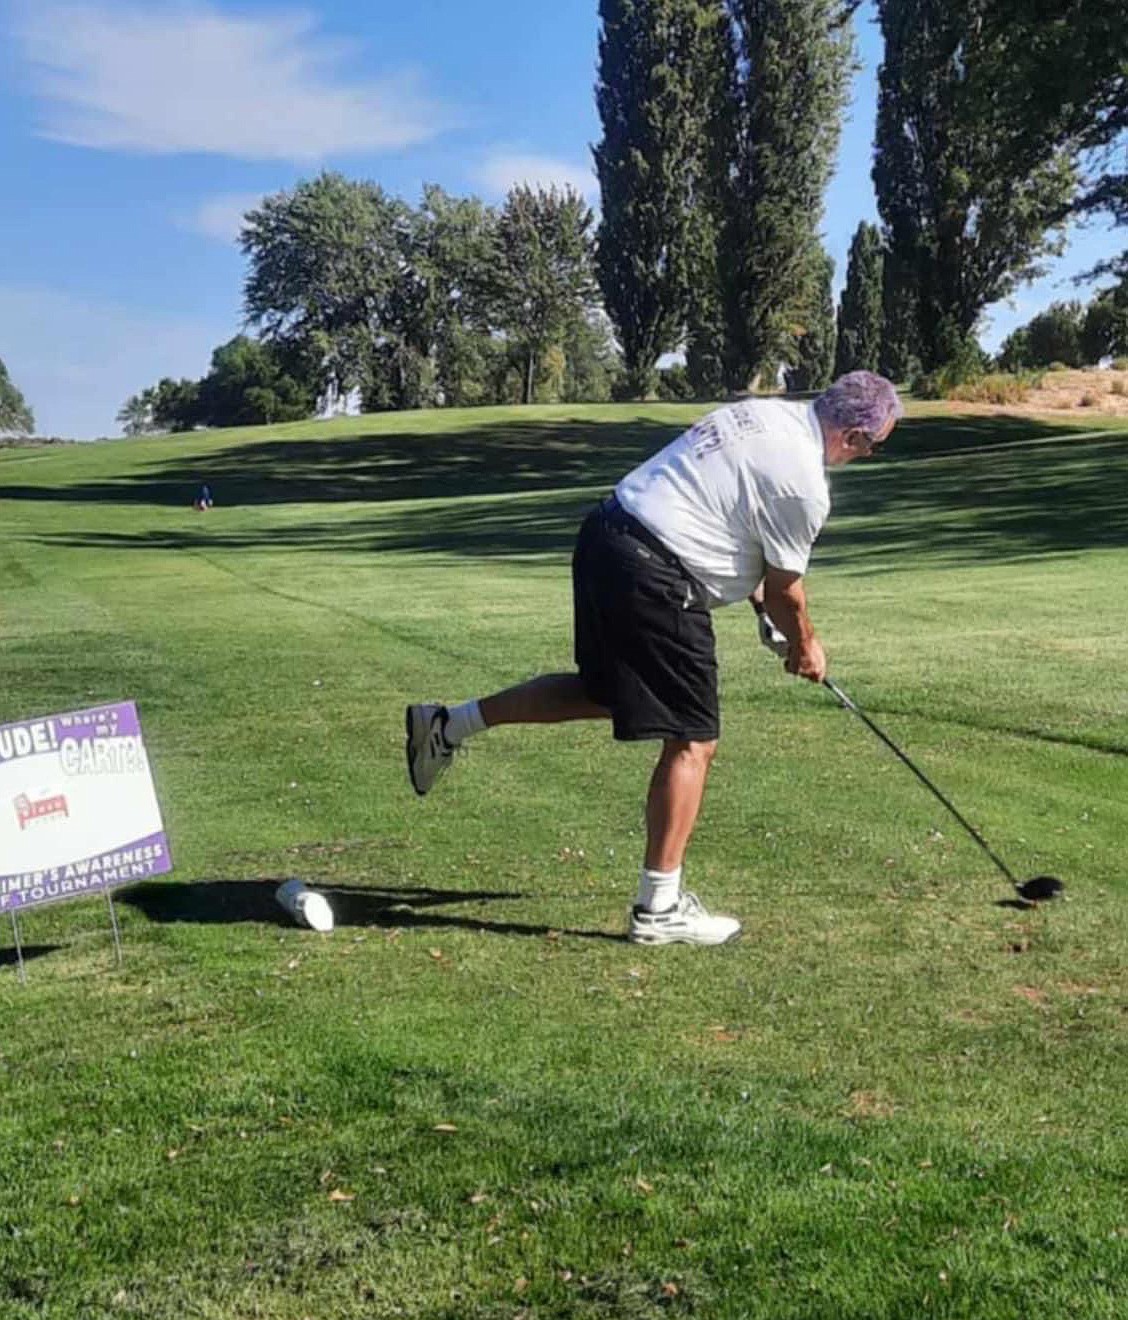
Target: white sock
[[462, 721], [658, 891]]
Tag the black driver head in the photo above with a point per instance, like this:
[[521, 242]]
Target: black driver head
[[1040, 888]]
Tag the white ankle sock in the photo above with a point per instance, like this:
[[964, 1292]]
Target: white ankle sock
[[658, 891], [462, 721]]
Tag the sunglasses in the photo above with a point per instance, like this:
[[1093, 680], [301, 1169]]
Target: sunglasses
[[869, 440]]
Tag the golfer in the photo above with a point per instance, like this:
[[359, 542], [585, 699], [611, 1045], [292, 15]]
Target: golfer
[[729, 510]]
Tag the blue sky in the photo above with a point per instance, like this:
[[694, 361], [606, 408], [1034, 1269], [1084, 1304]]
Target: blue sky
[[133, 133]]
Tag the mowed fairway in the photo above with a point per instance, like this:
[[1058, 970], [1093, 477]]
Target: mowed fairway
[[894, 1098]]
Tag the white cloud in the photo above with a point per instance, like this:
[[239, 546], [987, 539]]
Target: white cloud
[[221, 217], [189, 78], [507, 169], [77, 362]]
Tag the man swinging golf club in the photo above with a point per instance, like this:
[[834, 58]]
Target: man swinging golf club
[[729, 510]]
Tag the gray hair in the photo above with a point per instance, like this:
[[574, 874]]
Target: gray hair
[[859, 401]]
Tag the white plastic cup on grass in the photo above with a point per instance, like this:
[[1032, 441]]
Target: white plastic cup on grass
[[306, 906]]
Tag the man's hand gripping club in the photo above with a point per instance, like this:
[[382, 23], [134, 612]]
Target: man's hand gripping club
[[785, 627]]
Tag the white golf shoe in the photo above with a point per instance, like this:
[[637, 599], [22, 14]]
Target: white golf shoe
[[685, 923], [428, 753]]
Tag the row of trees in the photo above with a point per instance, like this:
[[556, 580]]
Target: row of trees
[[1071, 334], [250, 383], [720, 121], [16, 418], [720, 124], [995, 123], [451, 303]]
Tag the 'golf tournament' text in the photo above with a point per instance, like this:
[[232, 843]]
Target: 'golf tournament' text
[[77, 877]]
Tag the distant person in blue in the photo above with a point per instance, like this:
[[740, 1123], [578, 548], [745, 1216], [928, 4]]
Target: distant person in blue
[[204, 499]]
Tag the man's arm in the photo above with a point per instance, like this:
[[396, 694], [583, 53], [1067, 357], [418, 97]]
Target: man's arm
[[782, 595]]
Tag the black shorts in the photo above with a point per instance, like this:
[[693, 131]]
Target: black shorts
[[644, 641]]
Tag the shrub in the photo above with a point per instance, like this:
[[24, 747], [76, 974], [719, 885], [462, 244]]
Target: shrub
[[674, 385], [999, 387], [1119, 387], [1014, 355], [1088, 400], [1120, 364]]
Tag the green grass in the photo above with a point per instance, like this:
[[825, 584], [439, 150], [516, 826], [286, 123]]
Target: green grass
[[893, 1099]]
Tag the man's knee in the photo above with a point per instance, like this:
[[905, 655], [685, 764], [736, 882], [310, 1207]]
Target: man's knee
[[691, 751]]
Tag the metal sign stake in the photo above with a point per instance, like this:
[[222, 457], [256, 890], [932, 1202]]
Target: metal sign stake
[[114, 926], [19, 949]]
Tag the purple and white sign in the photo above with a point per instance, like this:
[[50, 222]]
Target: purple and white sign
[[78, 811]]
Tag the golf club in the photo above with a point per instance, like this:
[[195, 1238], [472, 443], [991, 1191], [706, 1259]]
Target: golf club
[[1037, 889]]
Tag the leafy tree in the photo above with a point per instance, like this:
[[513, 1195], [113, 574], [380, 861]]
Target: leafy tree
[[248, 385], [861, 312], [1055, 335], [793, 65], [1055, 73], [16, 418], [135, 416], [397, 375], [543, 274], [439, 304], [660, 96], [962, 225], [1104, 332], [1014, 352], [176, 404], [170, 405], [455, 246], [465, 363], [325, 261], [592, 360], [166, 407]]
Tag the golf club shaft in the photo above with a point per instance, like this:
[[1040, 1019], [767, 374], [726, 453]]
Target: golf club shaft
[[979, 839]]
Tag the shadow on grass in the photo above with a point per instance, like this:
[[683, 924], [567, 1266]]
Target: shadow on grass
[[224, 902], [9, 957], [378, 467], [996, 488], [1050, 496]]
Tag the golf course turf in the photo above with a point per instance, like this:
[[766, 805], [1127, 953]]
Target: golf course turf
[[899, 1095]]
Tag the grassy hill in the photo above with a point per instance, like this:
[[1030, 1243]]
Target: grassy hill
[[893, 1098]]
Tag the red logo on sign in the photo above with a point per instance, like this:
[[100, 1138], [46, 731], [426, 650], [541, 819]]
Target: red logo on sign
[[29, 810]]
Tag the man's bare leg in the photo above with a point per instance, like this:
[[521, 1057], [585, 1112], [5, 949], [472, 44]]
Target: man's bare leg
[[664, 913], [677, 788], [547, 699]]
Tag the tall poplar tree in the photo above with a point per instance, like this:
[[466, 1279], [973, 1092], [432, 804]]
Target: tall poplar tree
[[860, 311], [794, 60], [1057, 71], [963, 227], [659, 96], [815, 329]]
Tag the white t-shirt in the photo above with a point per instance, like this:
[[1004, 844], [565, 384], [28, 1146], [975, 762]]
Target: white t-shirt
[[743, 488]]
